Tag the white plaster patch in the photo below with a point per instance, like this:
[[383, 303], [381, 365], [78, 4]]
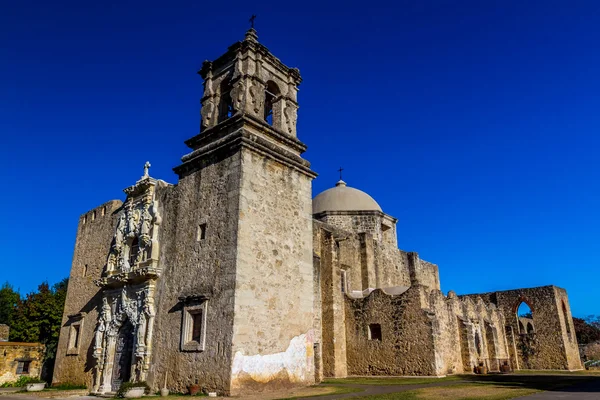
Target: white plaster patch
[[296, 360]]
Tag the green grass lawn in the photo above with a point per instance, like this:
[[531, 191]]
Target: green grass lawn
[[390, 381], [471, 391]]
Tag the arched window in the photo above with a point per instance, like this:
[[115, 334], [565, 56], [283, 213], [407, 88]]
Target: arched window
[[566, 318], [271, 93], [525, 318], [225, 102], [134, 251]]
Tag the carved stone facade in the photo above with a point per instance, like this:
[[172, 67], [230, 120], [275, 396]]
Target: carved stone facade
[[236, 279]]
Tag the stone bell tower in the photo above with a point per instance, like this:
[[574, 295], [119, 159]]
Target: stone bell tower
[[255, 190]]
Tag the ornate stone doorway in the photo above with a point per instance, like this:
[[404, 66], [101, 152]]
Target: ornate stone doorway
[[123, 356]]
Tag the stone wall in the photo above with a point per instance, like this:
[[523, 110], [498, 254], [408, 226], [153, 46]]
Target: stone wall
[[273, 325], [12, 353], [406, 346], [94, 235], [196, 266], [4, 332], [553, 345]]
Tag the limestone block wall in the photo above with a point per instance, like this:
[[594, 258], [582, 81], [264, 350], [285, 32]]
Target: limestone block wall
[[10, 355], [553, 345], [4, 332], [94, 234], [392, 266], [445, 334], [206, 198], [367, 222], [407, 343], [273, 333]]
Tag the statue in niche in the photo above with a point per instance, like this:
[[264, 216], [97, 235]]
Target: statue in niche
[[146, 223], [103, 322], [120, 232]]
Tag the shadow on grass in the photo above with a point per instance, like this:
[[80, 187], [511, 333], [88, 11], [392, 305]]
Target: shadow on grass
[[565, 383]]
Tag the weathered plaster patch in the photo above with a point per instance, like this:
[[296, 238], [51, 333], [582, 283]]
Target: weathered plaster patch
[[296, 362]]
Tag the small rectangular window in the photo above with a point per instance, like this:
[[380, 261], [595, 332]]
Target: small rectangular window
[[375, 332], [193, 332], [103, 211], [197, 327], [343, 280], [201, 232], [85, 270], [93, 215], [74, 335], [23, 367], [84, 219]]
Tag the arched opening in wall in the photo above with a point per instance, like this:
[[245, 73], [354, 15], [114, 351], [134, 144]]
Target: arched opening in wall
[[225, 101], [525, 318], [529, 327], [566, 318], [271, 93], [134, 250]]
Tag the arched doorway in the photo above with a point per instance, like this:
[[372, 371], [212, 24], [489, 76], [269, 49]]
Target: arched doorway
[[123, 356]]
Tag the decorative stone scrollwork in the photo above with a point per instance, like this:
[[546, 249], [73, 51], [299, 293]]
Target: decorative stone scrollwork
[[291, 116], [237, 95], [257, 98], [207, 113], [135, 242], [133, 304]]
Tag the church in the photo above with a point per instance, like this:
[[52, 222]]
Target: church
[[238, 280]]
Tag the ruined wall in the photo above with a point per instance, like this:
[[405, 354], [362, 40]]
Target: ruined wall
[[12, 353], [94, 235], [196, 266], [273, 324], [445, 333], [550, 346], [406, 346]]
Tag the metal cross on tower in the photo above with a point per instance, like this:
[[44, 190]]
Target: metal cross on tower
[[252, 18]]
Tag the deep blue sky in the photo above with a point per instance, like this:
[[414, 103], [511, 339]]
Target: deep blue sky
[[474, 123]]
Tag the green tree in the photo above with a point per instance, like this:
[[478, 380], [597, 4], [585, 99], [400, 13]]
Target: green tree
[[9, 299], [587, 329], [38, 317]]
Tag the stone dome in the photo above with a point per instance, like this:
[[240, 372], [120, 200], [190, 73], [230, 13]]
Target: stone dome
[[344, 198]]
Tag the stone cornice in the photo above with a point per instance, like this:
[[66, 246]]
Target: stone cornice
[[235, 122], [136, 275], [357, 212], [242, 138]]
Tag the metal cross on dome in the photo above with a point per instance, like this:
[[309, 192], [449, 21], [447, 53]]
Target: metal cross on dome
[[340, 171], [252, 18]]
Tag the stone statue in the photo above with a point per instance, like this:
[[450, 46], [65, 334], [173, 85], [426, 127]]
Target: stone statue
[[146, 222]]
